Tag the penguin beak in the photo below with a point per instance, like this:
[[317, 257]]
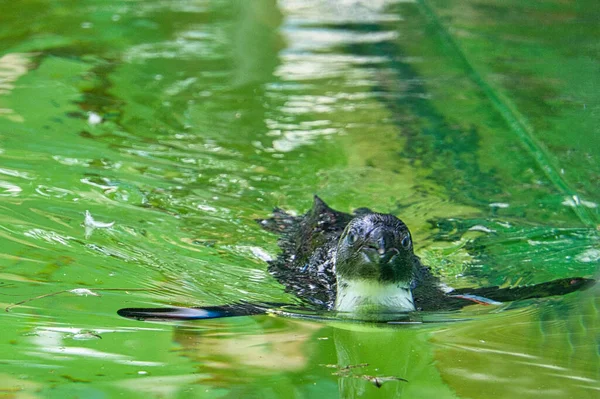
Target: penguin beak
[[379, 248]]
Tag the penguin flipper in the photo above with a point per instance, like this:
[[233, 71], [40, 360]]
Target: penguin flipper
[[551, 288], [199, 313]]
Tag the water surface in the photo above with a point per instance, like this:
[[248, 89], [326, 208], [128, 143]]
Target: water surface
[[476, 122]]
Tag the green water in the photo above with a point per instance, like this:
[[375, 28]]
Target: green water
[[477, 122]]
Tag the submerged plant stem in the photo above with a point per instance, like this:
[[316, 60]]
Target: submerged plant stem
[[14, 305]]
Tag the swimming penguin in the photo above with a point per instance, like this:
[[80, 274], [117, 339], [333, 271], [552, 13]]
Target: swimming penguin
[[360, 266]]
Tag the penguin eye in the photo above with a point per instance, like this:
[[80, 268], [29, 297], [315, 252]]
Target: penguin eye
[[406, 242], [351, 238]]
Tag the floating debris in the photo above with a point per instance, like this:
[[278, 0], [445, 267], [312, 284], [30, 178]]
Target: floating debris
[[90, 224], [379, 381], [85, 335], [94, 118], [575, 201], [347, 372], [83, 292]]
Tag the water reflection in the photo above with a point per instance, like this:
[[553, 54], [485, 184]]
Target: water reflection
[[549, 351], [345, 360], [12, 67], [524, 352]]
